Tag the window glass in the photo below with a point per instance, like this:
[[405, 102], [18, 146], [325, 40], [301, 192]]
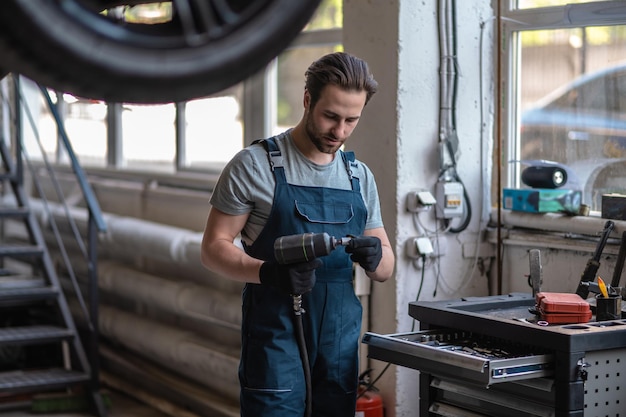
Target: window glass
[[529, 4], [620, 86], [291, 67], [329, 15], [214, 130], [43, 136], [85, 125], [292, 64], [572, 104], [148, 136]]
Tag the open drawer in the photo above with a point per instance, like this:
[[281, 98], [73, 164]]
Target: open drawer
[[460, 354]]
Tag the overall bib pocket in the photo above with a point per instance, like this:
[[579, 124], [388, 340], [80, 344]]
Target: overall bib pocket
[[317, 212]]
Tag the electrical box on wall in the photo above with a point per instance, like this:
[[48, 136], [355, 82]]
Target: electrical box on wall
[[449, 199]]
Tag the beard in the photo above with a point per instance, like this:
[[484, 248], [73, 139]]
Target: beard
[[317, 138]]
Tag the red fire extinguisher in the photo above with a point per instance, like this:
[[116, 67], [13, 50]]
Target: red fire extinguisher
[[368, 403]]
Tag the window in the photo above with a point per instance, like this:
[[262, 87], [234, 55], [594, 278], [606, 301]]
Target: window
[[567, 93], [529, 4], [40, 136], [148, 136], [84, 121], [290, 88], [321, 36], [214, 129]]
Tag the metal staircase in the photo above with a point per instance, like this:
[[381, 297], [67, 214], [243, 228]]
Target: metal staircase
[[41, 350]]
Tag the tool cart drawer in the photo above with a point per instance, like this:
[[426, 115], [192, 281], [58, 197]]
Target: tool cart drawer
[[461, 354]]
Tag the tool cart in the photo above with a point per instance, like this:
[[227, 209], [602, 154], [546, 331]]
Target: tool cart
[[487, 356]]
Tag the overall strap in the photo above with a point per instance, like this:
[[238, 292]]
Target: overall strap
[[275, 158], [349, 162]]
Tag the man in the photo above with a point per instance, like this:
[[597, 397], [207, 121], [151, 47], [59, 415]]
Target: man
[[299, 182]]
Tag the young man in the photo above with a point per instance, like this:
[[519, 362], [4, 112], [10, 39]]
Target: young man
[[301, 182]]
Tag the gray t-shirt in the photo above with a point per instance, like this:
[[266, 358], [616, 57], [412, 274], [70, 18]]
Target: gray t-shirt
[[246, 185]]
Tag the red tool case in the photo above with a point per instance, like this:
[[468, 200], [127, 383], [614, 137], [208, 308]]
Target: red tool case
[[558, 307]]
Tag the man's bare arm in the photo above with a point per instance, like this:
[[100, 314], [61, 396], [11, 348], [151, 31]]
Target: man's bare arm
[[219, 252], [385, 268]]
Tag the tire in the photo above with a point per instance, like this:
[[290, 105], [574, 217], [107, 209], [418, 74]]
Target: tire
[[69, 46]]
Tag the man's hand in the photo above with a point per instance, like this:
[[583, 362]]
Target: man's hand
[[367, 251], [293, 279]]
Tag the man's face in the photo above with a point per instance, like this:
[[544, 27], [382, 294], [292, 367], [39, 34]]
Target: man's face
[[333, 118]]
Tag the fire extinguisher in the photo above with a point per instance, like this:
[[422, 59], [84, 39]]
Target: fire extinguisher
[[368, 403]]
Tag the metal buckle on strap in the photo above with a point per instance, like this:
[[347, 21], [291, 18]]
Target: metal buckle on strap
[[351, 165], [276, 159]]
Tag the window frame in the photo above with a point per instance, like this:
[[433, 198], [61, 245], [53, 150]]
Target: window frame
[[512, 22], [259, 91]]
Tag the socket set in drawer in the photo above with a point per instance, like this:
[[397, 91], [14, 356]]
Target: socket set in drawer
[[461, 354]]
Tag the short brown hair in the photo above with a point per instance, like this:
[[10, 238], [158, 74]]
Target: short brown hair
[[343, 70]]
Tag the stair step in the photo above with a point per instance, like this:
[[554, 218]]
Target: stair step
[[7, 176], [39, 380], [34, 287], [20, 281], [27, 294], [24, 335], [20, 250], [13, 211]]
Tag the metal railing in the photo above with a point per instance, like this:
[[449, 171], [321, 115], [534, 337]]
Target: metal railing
[[96, 223]]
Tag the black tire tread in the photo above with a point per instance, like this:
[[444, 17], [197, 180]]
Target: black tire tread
[[44, 44]]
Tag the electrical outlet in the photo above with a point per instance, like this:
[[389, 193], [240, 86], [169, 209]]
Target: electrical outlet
[[426, 198], [416, 247], [420, 200], [410, 248], [424, 246]]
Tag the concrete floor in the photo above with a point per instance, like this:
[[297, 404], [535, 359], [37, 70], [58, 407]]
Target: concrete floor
[[122, 405], [123, 395]]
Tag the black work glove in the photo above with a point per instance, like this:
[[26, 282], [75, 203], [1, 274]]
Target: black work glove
[[292, 279], [367, 251]]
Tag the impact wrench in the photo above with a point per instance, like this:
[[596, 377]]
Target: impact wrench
[[306, 247], [303, 248]]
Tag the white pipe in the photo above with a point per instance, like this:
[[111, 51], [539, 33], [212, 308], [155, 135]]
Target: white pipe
[[556, 222], [178, 297], [130, 238], [447, 81], [181, 351]]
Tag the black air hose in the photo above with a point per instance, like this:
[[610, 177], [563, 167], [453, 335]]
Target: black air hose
[[304, 355]]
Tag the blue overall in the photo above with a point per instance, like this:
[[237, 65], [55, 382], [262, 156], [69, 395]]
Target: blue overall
[[270, 371]]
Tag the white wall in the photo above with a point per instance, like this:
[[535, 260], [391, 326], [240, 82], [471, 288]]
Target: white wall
[[398, 139]]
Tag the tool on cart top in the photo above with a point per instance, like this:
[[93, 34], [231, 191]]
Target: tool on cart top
[[619, 264], [593, 264], [602, 287]]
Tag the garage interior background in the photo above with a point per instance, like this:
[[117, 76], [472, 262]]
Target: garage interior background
[[164, 318]]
